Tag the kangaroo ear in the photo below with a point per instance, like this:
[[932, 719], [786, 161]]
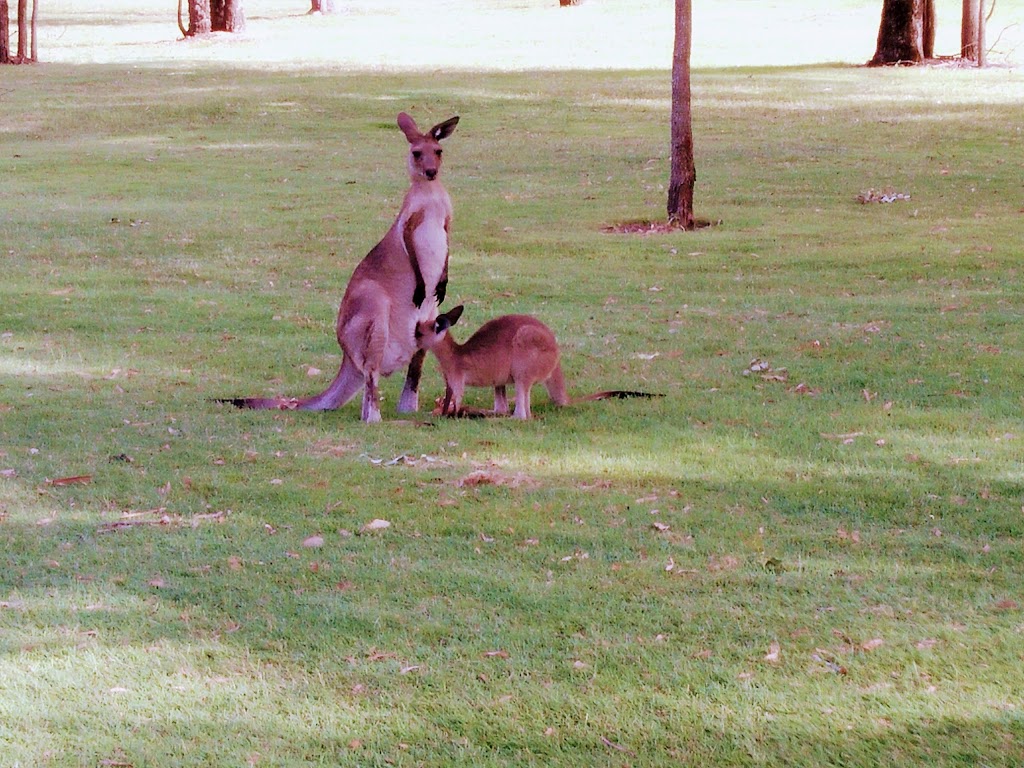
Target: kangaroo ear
[[408, 126], [442, 324], [445, 129], [454, 314]]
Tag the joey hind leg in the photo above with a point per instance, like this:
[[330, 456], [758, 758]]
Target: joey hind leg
[[410, 398], [500, 401]]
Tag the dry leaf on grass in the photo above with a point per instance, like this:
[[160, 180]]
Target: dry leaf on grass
[[496, 478], [375, 525], [73, 480]]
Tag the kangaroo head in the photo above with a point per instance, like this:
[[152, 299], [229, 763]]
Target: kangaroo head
[[425, 148], [429, 333]]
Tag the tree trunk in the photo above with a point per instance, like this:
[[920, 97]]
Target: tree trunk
[[981, 33], [969, 30], [683, 174], [928, 33], [325, 7], [5, 33], [567, 3], [199, 22], [22, 30], [906, 33], [227, 16], [32, 25]]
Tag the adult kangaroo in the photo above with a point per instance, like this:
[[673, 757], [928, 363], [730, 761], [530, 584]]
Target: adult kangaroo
[[398, 284], [511, 349]]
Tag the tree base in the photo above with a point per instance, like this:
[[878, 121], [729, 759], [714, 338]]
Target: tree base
[[661, 227]]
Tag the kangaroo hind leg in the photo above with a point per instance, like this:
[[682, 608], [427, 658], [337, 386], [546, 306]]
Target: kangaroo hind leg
[[410, 399]]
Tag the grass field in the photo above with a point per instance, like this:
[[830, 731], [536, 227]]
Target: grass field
[[807, 553]]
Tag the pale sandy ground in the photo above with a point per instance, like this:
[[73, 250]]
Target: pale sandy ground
[[497, 34]]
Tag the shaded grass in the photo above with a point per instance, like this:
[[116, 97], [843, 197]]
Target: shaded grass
[[172, 237]]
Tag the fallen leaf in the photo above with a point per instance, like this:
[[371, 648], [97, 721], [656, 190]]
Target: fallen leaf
[[493, 477], [774, 651], [73, 480], [661, 527], [872, 644], [375, 525], [313, 541], [1007, 605], [496, 655], [157, 583]]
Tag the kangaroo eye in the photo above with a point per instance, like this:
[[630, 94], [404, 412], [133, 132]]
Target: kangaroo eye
[[417, 154], [437, 152]]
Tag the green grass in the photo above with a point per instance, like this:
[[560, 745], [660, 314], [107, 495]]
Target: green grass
[[169, 237]]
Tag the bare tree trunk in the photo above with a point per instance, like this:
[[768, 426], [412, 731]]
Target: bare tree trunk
[[32, 25], [969, 30], [199, 21], [901, 33], [325, 7], [683, 174], [227, 16], [981, 33], [567, 3], [928, 31], [22, 30], [5, 33]]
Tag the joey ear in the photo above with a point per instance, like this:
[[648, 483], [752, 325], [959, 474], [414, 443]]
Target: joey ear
[[445, 129], [454, 314], [442, 324], [408, 127]]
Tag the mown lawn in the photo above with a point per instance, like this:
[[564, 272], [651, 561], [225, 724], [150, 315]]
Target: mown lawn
[[806, 553]]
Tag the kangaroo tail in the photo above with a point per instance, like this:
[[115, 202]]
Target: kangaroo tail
[[614, 394], [345, 386]]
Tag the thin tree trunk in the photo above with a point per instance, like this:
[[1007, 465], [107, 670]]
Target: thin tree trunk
[[969, 30], [22, 30], [981, 33], [683, 174], [5, 33], [32, 24], [928, 30], [325, 7]]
